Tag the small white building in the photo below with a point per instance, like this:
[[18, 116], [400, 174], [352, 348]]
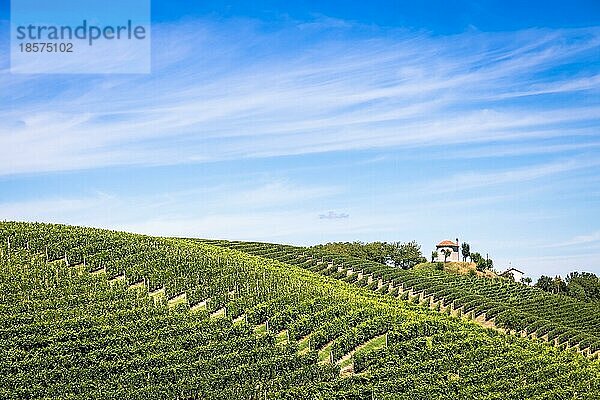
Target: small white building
[[515, 273], [447, 245]]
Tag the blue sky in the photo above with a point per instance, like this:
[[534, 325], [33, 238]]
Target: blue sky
[[307, 122]]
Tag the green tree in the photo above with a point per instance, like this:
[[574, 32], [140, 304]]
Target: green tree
[[545, 283], [465, 250], [577, 291], [484, 264], [481, 263], [583, 285], [476, 257], [489, 264], [434, 255], [446, 253], [377, 251], [406, 255], [553, 285], [559, 286]]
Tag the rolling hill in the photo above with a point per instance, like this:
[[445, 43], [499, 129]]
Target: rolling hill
[[95, 314]]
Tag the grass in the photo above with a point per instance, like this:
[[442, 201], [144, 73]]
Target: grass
[[177, 301], [282, 337], [325, 354], [260, 329], [370, 345], [303, 344], [374, 344]]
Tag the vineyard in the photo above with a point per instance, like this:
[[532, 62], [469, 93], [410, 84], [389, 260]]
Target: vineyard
[[96, 314], [517, 308]]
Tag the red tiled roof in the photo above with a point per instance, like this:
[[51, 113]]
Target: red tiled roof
[[446, 243]]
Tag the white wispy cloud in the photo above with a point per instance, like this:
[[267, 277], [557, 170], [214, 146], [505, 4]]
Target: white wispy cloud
[[518, 148], [219, 93], [333, 215], [468, 180], [580, 240]]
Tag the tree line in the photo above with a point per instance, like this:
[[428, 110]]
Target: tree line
[[405, 255], [583, 286]]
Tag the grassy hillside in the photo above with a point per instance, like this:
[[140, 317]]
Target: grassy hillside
[[458, 267], [95, 314]]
